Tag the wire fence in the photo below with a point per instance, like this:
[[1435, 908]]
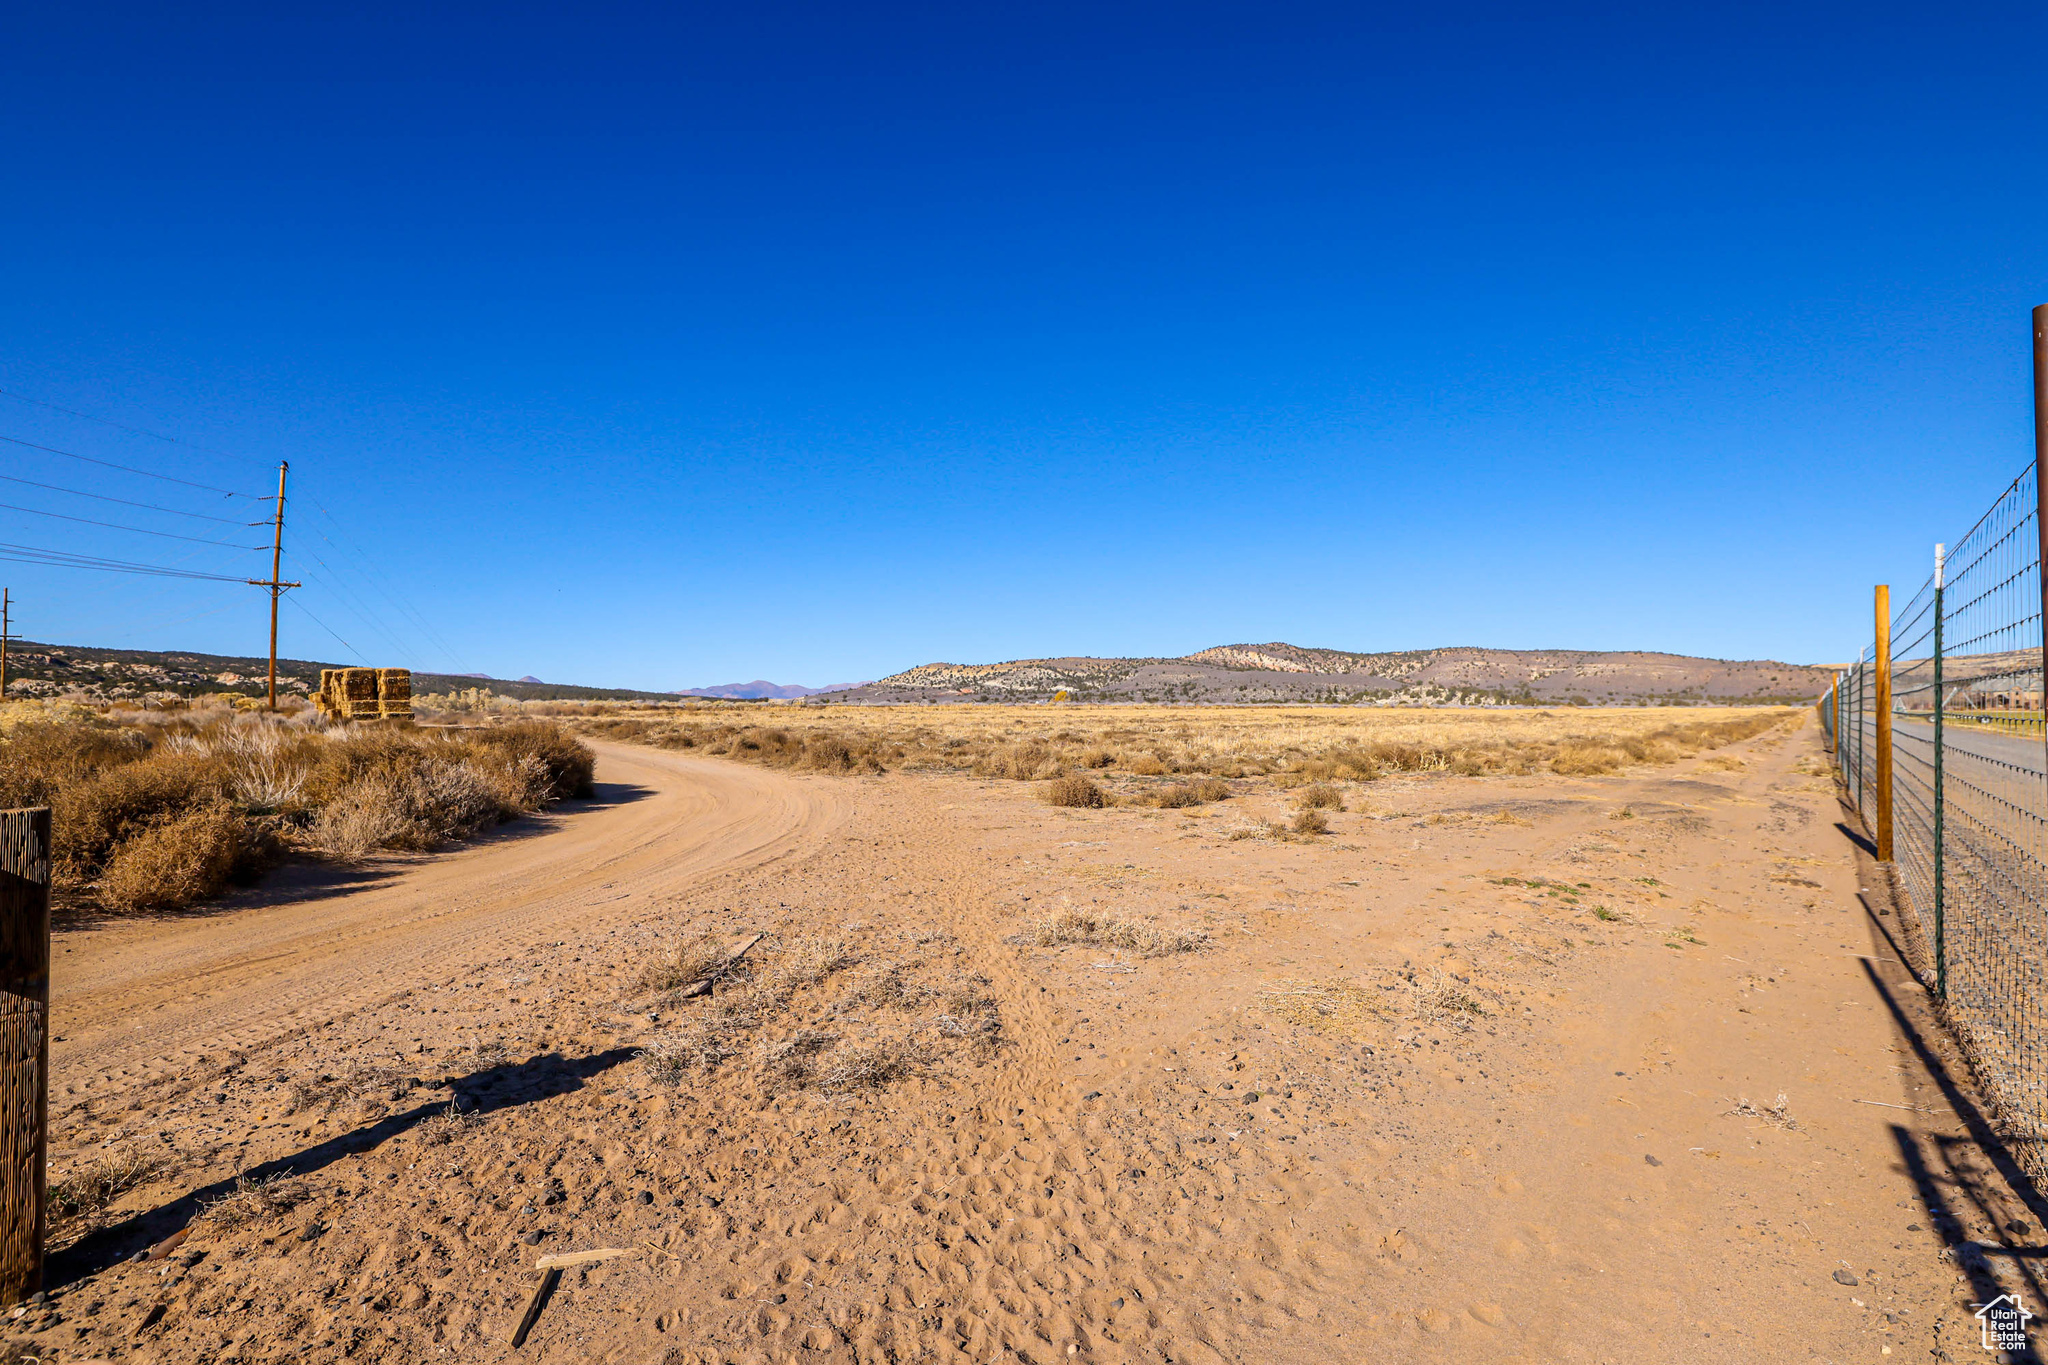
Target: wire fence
[[1965, 810]]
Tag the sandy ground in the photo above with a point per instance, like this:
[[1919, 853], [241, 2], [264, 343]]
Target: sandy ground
[[1485, 1073]]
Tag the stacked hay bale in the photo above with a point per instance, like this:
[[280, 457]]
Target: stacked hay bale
[[394, 693], [359, 694], [365, 694], [328, 699]]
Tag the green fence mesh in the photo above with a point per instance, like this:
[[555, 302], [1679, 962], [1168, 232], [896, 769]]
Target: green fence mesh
[[1970, 798]]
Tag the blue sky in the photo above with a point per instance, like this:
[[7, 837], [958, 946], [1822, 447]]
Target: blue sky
[[670, 345]]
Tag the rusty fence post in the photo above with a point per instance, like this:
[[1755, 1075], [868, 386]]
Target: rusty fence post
[[24, 1047]]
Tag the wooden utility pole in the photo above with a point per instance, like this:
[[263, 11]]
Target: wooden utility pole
[[6, 606], [1881, 713], [274, 583], [24, 1047]]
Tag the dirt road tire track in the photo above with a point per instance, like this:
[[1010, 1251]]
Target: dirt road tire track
[[1151, 1162], [136, 1002]]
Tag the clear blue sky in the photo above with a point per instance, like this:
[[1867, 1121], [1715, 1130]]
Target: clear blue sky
[[670, 345]]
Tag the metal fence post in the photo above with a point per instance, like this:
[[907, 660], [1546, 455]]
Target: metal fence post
[[1940, 840], [1971, 820], [1849, 736], [1848, 748], [2041, 484], [1859, 734], [24, 1047], [1881, 713], [1833, 721]]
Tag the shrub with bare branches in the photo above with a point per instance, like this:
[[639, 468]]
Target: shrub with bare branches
[[1198, 792], [155, 811], [1073, 790], [1074, 925], [175, 862]]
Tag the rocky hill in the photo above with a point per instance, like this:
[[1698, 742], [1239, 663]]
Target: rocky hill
[[760, 689], [39, 670], [1290, 673]]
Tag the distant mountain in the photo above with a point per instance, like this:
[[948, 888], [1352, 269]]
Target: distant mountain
[[760, 689], [1289, 673], [40, 670], [529, 678]]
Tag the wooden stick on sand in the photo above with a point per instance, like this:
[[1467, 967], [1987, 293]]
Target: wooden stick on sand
[[553, 1266], [697, 988]]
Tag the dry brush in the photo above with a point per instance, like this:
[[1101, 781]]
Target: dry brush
[[155, 811]]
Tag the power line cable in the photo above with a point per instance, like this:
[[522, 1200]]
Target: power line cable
[[163, 622], [80, 492], [347, 555], [118, 426], [131, 469], [150, 600], [329, 629], [116, 526], [339, 581], [399, 603], [334, 584], [65, 559], [151, 607], [28, 554]]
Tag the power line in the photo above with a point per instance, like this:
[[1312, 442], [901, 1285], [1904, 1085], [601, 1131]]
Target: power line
[[337, 585], [108, 421], [145, 600], [151, 599], [116, 526], [165, 621], [338, 581], [80, 492], [356, 558], [344, 586], [65, 559], [329, 629], [130, 469], [276, 582]]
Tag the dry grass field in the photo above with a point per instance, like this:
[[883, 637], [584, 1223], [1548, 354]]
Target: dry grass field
[[1288, 744], [870, 1037]]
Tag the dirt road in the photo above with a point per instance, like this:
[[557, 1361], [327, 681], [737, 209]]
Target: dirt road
[[1536, 1069], [140, 1002]]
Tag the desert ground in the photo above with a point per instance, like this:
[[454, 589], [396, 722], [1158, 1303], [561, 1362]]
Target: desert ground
[[1612, 1064]]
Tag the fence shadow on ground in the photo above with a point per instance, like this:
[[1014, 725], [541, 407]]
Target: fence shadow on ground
[[1856, 836], [1976, 1260], [480, 1092], [1947, 1174]]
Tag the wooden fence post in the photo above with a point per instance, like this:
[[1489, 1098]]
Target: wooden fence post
[[24, 1047], [1881, 709]]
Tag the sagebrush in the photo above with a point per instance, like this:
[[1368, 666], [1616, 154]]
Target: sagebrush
[[1291, 744], [154, 811]]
